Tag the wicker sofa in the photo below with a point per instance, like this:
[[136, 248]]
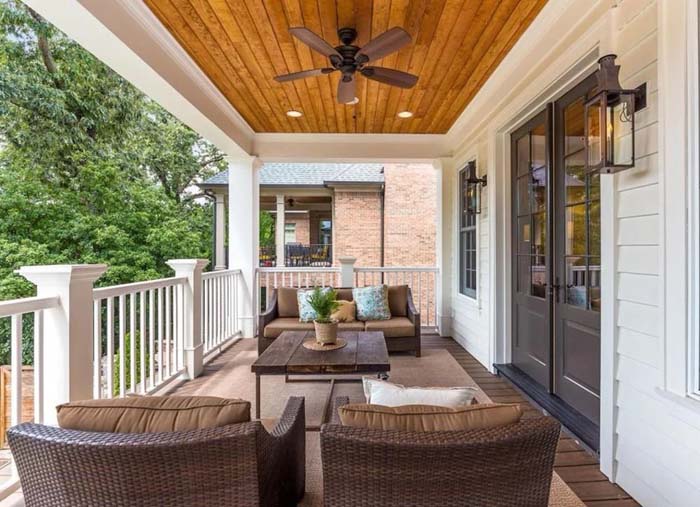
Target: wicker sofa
[[401, 332], [504, 466], [239, 464]]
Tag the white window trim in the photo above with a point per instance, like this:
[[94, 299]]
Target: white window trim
[[678, 179], [474, 301]]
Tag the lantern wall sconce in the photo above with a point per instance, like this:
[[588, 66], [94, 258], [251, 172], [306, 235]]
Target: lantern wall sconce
[[609, 121], [471, 189]]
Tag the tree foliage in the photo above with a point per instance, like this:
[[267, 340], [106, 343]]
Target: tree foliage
[[91, 170]]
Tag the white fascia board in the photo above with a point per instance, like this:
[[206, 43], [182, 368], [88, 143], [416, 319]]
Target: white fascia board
[[382, 148], [126, 36]]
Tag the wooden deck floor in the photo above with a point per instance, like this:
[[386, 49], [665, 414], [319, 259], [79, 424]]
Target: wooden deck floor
[[574, 464]]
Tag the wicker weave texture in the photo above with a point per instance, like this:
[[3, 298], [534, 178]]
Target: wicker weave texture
[[510, 466], [235, 465]]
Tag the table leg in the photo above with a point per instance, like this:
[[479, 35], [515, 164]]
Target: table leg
[[257, 396]]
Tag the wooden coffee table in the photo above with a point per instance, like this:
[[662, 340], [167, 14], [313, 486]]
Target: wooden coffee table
[[364, 353]]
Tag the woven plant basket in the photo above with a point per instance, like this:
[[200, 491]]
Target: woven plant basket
[[326, 332]]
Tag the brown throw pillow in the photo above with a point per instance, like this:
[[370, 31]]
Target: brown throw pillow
[[398, 300], [152, 414], [345, 312], [425, 418]]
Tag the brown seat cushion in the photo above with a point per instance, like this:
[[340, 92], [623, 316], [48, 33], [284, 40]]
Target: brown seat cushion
[[152, 414], [351, 326], [275, 328], [398, 300], [426, 418], [395, 327], [287, 304]]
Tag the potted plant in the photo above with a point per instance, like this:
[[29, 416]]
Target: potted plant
[[324, 303]]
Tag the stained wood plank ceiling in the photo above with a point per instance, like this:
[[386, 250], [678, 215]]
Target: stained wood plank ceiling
[[242, 44]]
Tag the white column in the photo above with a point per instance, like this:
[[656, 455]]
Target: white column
[[192, 305], [347, 271], [279, 231], [220, 232], [443, 245], [243, 226], [68, 332]]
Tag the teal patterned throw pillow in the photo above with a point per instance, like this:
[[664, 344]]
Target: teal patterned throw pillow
[[306, 313], [372, 302]]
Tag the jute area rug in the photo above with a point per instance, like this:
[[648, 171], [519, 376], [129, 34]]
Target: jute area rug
[[229, 376]]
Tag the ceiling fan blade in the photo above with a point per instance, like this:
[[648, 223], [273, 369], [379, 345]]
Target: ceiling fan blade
[[384, 44], [314, 41], [391, 77], [346, 90], [303, 74]]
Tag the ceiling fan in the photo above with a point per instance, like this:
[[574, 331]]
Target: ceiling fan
[[349, 59]]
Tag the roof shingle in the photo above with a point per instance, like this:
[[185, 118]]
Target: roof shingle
[[294, 174]]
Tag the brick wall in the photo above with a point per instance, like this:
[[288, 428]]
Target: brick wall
[[410, 215], [301, 221], [357, 227]]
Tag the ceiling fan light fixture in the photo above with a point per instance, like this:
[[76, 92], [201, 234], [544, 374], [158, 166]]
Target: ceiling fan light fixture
[[356, 100], [293, 113], [405, 114]]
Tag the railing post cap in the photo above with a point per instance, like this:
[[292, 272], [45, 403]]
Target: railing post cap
[[347, 260], [187, 263], [41, 273]]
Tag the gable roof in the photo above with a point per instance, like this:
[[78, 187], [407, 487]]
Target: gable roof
[[281, 174]]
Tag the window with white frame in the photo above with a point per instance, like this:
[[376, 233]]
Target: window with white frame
[[468, 272]]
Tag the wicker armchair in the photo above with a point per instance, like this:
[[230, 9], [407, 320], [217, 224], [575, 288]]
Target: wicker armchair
[[235, 465], [507, 466]]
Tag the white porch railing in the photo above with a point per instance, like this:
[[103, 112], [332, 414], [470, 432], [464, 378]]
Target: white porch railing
[[220, 322], [138, 337], [423, 282]]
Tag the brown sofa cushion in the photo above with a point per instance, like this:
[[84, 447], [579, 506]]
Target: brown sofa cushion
[[395, 327], [275, 328], [287, 304], [351, 326], [398, 300], [152, 414], [344, 294], [424, 418]]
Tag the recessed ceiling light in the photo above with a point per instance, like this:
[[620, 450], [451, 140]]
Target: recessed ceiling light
[[405, 114], [294, 114]]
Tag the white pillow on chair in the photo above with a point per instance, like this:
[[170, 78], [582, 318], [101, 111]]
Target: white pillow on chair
[[382, 392]]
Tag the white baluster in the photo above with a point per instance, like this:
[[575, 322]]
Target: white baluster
[[16, 373], [110, 347], [122, 346], [132, 342], [38, 366], [97, 350]]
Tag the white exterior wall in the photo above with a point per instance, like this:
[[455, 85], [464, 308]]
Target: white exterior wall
[[650, 441]]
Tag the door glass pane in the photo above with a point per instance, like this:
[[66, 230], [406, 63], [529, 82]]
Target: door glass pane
[[539, 189], [576, 281], [594, 141], [576, 230], [524, 195], [575, 180], [523, 147], [539, 224], [594, 284], [539, 276], [573, 127], [594, 186], [539, 147], [594, 228], [524, 243]]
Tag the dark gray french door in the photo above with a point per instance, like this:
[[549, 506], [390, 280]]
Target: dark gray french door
[[556, 260]]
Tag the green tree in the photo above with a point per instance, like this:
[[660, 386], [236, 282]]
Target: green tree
[[91, 170]]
